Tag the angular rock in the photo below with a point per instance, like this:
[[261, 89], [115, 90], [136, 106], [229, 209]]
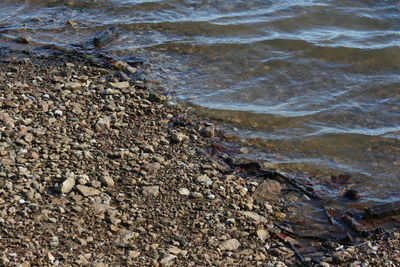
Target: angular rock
[[167, 259], [119, 65], [203, 179], [178, 137], [263, 234], [132, 254], [231, 245], [184, 192], [255, 216], [268, 190], [208, 131], [103, 124], [32, 155], [67, 185], [148, 149], [120, 85], [151, 191], [106, 180], [87, 191], [73, 85]]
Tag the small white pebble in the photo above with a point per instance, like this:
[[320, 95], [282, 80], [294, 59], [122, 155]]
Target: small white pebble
[[211, 196], [58, 112]]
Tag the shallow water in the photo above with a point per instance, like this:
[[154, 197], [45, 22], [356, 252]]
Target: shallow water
[[313, 85]]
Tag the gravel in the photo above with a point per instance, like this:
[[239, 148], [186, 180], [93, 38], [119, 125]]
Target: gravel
[[99, 171]]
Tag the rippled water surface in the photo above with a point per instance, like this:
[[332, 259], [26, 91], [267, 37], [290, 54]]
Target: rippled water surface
[[314, 85]]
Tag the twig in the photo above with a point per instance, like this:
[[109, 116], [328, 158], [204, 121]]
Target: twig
[[300, 236], [330, 218], [288, 244], [342, 192], [293, 182]]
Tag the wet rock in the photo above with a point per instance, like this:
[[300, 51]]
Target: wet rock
[[231, 245], [208, 131], [122, 66], [352, 194], [268, 190], [87, 191], [281, 252], [72, 23], [151, 191], [157, 98], [23, 39]]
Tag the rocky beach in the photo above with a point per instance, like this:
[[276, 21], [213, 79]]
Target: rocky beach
[[99, 170]]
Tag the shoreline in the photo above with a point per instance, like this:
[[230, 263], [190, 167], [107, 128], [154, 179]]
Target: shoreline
[[98, 171]]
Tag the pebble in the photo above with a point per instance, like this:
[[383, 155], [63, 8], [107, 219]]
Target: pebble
[[73, 85], [167, 258], [120, 85], [324, 264], [23, 39], [231, 244], [196, 195], [255, 216], [58, 112], [133, 254], [178, 137], [151, 191], [263, 235], [88, 191], [106, 180], [103, 124], [211, 196], [208, 132], [267, 191], [203, 179], [67, 185], [184, 192]]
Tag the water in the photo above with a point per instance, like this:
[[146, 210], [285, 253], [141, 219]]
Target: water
[[313, 85]]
